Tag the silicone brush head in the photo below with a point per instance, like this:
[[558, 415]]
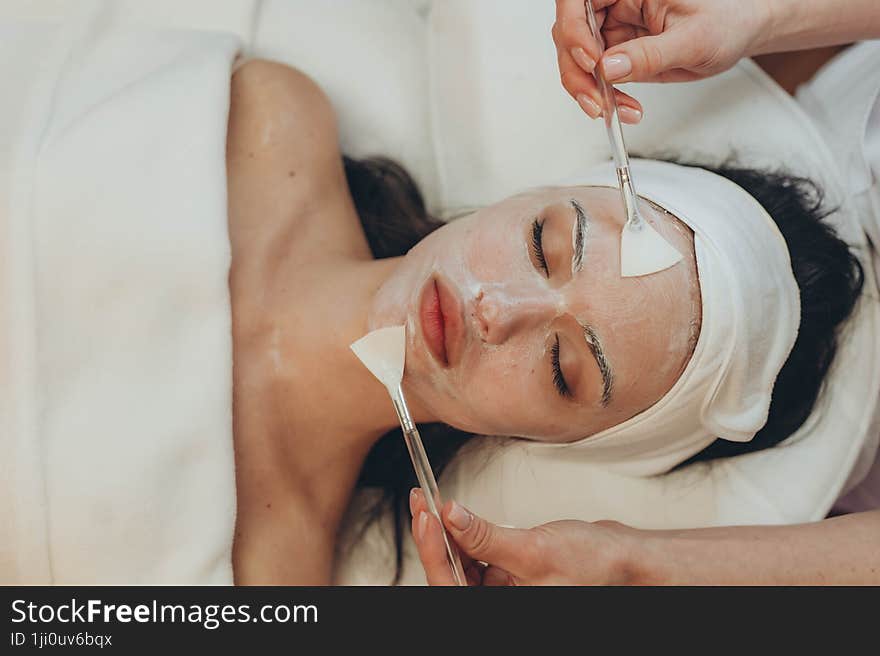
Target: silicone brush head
[[383, 352], [643, 250]]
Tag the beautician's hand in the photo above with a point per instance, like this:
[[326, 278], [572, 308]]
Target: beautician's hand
[[652, 41], [681, 40], [558, 553], [678, 40], [837, 551], [577, 53]]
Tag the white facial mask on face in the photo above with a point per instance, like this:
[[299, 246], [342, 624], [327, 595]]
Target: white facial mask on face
[[750, 320], [504, 306]]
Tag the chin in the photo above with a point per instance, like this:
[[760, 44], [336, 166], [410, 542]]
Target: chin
[[385, 319], [390, 308]]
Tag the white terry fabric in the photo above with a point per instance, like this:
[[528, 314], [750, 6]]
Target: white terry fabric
[[370, 58], [843, 99], [750, 319], [236, 17], [173, 533], [116, 460]]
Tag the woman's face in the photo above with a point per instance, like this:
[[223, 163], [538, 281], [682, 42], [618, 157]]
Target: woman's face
[[518, 322]]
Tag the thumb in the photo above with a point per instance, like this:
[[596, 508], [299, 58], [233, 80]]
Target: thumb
[[647, 57], [483, 540]]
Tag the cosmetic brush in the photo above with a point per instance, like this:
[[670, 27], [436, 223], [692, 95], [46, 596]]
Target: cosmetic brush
[[383, 352], [642, 249]]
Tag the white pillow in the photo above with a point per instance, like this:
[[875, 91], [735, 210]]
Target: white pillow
[[233, 16], [370, 59]]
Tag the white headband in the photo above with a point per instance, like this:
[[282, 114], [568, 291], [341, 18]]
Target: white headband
[[750, 319]]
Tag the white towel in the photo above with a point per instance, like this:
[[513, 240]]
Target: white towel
[[116, 459], [750, 318]]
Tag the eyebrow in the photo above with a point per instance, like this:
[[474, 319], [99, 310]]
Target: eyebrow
[[580, 231], [605, 371]]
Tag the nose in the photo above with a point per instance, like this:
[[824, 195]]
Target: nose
[[502, 311]]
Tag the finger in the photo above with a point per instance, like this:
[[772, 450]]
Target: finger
[[482, 540], [582, 87], [571, 30], [615, 32], [474, 573], [647, 57], [629, 12], [576, 8], [495, 576], [599, 5], [428, 536], [581, 58], [570, 27], [677, 75], [628, 108], [419, 504]]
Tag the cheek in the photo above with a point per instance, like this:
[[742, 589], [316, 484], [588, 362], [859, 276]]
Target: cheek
[[671, 308], [502, 393], [494, 251], [649, 330]]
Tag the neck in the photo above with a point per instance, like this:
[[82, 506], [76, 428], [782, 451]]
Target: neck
[[306, 411], [344, 397]]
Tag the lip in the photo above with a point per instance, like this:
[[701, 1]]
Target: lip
[[441, 321], [432, 322]]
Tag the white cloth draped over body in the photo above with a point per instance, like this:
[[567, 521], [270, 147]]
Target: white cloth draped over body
[[116, 460], [843, 99], [115, 341]]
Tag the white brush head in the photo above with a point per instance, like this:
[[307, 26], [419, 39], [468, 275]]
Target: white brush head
[[643, 251], [383, 352]]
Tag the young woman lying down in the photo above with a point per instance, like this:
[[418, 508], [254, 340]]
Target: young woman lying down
[[518, 322]]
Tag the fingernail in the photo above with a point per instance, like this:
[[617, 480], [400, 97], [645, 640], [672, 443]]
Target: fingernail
[[582, 59], [412, 500], [616, 67], [589, 105], [459, 517], [423, 524], [629, 114]]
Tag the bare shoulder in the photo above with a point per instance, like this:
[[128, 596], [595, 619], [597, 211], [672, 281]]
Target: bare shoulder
[[285, 172], [282, 123], [262, 84]]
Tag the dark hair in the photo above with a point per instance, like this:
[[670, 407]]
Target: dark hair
[[394, 218], [829, 276]]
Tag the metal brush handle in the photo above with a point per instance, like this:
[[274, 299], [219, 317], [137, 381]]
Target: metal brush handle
[[615, 130], [426, 478]]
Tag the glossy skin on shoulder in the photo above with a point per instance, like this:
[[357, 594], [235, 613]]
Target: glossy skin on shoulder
[[292, 226]]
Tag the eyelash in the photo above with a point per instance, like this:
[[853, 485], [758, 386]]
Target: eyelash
[[538, 244], [558, 379]]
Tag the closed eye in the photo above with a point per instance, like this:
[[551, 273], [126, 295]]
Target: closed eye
[[538, 245], [558, 379]]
